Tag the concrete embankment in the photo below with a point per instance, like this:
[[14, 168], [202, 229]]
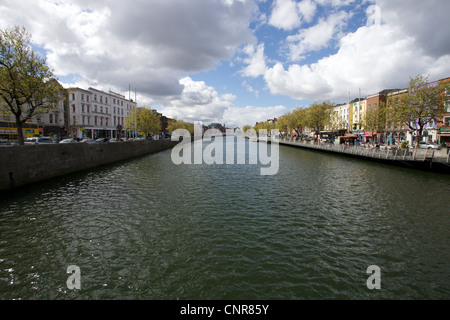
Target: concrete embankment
[[421, 159], [22, 165]]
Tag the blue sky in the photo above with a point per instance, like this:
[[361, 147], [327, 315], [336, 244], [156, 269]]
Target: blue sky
[[237, 61]]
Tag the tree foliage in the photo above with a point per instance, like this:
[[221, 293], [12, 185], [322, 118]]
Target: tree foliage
[[27, 84], [375, 118], [175, 124], [422, 104], [145, 120], [318, 115]]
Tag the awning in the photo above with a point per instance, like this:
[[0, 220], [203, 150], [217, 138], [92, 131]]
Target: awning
[[368, 134], [445, 134]]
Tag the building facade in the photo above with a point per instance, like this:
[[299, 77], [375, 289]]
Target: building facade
[[444, 125], [97, 114], [52, 123]]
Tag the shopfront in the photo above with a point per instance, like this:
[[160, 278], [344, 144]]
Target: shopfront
[[444, 137], [349, 139]]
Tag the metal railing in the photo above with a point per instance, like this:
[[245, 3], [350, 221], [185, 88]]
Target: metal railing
[[383, 152]]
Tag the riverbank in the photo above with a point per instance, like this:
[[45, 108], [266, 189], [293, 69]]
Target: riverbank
[[23, 165], [422, 159]]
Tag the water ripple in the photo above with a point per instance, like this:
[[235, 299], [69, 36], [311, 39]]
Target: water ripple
[[148, 229]]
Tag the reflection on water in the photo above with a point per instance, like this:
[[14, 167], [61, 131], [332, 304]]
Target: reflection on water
[[148, 229]]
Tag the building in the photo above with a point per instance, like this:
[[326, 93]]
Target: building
[[52, 123], [96, 114], [374, 131], [444, 125], [359, 108], [341, 117]]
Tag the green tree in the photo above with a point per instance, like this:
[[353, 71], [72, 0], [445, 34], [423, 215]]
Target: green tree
[[422, 104], [148, 121], [175, 124], [375, 118], [282, 124], [246, 127], [318, 115], [27, 84]]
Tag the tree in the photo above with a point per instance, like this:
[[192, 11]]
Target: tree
[[27, 85], [246, 127], [375, 118], [175, 124], [149, 121], [318, 115], [422, 104]]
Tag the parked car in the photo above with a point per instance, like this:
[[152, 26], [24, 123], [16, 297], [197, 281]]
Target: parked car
[[5, 143], [38, 140], [113, 140], [428, 145], [68, 141], [102, 140], [88, 141]]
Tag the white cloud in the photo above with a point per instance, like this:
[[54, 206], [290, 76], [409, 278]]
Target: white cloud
[[239, 117], [150, 43], [372, 58], [316, 37], [197, 102], [426, 21], [285, 15], [256, 64], [307, 9]]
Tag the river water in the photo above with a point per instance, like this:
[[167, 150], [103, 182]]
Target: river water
[[150, 229]]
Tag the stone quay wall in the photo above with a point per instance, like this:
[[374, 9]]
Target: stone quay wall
[[23, 165]]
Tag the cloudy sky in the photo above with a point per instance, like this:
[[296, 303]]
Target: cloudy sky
[[237, 61]]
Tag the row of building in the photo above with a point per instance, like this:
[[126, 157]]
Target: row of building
[[348, 121], [87, 113]]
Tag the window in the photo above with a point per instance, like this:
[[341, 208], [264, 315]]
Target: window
[[447, 106], [101, 109], [50, 118], [74, 120], [73, 96], [87, 108], [106, 110], [82, 107], [82, 97], [73, 108], [83, 119], [106, 121], [114, 110], [95, 108]]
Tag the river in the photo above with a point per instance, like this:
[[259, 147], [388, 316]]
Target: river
[[150, 229]]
